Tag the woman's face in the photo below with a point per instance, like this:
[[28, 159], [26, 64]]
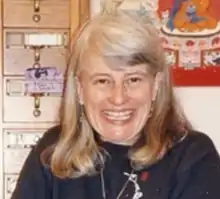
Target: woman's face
[[116, 101]]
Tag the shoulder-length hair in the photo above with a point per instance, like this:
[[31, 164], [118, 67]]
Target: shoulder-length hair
[[123, 37]]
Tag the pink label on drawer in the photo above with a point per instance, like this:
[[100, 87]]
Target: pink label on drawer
[[43, 80]]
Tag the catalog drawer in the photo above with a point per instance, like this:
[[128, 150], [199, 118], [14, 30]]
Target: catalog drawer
[[31, 102], [24, 48], [17, 144], [36, 13]]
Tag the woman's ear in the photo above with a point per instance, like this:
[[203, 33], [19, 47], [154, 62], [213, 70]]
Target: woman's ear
[[79, 90], [157, 82]]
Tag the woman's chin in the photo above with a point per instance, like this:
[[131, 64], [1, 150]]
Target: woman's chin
[[121, 138], [118, 131]]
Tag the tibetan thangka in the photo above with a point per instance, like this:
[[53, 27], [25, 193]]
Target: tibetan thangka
[[190, 33]]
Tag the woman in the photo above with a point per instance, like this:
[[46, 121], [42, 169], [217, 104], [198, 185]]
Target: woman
[[122, 133]]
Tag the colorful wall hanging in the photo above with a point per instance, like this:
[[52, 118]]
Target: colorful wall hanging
[[190, 33]]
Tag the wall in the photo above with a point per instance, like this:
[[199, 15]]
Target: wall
[[201, 104]]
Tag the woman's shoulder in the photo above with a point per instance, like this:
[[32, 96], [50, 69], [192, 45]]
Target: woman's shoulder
[[196, 141], [194, 148]]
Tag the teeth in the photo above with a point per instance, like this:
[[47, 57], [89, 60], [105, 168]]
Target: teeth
[[119, 116]]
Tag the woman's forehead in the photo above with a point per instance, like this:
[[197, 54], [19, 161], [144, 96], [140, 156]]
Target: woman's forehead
[[95, 63]]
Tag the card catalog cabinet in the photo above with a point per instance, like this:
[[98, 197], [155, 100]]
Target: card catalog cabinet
[[34, 37]]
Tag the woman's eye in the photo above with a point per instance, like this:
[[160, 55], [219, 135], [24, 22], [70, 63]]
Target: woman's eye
[[102, 81], [134, 80]]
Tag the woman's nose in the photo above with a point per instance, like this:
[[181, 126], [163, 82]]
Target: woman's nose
[[118, 95]]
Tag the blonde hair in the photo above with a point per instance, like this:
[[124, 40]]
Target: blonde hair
[[132, 39]]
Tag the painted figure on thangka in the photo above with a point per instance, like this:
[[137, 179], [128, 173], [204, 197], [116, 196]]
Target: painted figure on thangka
[[190, 30]]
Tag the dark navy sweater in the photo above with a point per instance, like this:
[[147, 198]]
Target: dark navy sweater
[[190, 170]]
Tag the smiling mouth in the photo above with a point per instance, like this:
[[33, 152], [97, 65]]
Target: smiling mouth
[[118, 116]]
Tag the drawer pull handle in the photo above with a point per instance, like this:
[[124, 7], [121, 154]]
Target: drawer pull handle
[[36, 54], [36, 5], [36, 111], [36, 16]]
